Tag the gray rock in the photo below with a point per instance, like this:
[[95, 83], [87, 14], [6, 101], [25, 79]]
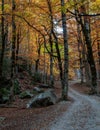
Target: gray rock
[[43, 99]]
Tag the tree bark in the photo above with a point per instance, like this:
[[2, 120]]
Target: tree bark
[[2, 40], [80, 50], [86, 31], [85, 25], [51, 62], [65, 87], [13, 40], [17, 47], [98, 47], [51, 43], [37, 61], [58, 58], [13, 57]]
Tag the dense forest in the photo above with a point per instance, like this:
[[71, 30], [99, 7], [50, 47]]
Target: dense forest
[[50, 40], [48, 48]]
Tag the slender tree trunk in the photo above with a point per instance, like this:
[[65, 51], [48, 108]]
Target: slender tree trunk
[[51, 62], [13, 57], [39, 53], [17, 48], [36, 65], [81, 68], [86, 66], [80, 50], [86, 31], [59, 58], [44, 76], [29, 49], [98, 47], [65, 87], [85, 25], [83, 61], [51, 43], [3, 39], [13, 39]]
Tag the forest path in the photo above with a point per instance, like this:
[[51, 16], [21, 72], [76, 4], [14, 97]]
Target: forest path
[[84, 114]]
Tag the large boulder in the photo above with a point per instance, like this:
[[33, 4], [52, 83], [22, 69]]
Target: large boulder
[[43, 99]]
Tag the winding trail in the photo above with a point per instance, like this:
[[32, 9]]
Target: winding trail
[[84, 114]]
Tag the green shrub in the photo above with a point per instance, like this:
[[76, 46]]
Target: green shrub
[[4, 91], [17, 88], [4, 94]]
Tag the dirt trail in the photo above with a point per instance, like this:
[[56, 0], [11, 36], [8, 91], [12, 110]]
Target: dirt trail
[[84, 114]]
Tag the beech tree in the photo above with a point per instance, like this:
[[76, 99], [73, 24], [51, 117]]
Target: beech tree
[[85, 24], [33, 31], [65, 78], [13, 40], [2, 39]]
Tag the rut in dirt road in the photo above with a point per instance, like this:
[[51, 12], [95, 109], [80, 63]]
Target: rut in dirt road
[[84, 114]]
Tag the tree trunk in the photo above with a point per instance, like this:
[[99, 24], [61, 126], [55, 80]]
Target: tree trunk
[[86, 31], [29, 51], [51, 62], [44, 75], [59, 59], [39, 53], [51, 33], [3, 39], [13, 40], [65, 87], [98, 47], [80, 50], [85, 25], [17, 48], [13, 57]]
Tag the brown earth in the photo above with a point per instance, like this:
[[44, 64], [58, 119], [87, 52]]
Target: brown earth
[[83, 88]]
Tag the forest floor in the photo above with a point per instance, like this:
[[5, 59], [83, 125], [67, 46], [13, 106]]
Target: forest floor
[[80, 112]]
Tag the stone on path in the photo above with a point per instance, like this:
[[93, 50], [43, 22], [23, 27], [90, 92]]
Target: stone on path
[[43, 99]]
